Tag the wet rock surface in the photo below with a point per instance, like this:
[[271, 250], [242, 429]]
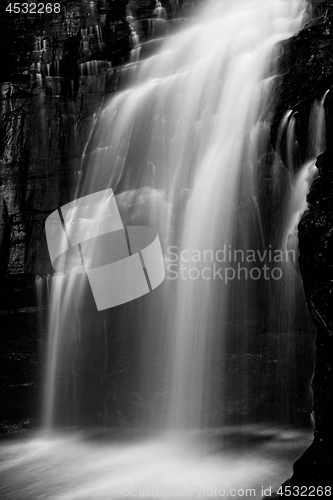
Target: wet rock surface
[[316, 250], [306, 65], [56, 73], [306, 69]]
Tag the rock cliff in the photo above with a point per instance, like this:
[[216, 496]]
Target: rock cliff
[[306, 66]]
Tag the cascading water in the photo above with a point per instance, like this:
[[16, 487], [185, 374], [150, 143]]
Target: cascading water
[[183, 148], [179, 148], [290, 187]]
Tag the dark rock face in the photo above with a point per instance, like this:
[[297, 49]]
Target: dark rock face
[[307, 71], [47, 113], [306, 65], [57, 70], [316, 265]]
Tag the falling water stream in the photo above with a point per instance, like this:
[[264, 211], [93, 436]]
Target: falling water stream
[[183, 149], [180, 149]]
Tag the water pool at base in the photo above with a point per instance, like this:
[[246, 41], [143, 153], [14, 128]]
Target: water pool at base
[[108, 465]]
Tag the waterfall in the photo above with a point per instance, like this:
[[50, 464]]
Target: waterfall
[[181, 148], [187, 386]]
